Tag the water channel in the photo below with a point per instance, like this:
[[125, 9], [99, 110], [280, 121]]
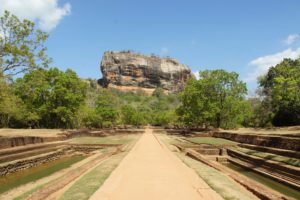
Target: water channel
[[275, 185], [34, 173]]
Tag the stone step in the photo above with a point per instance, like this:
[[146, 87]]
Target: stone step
[[282, 152], [20, 164], [292, 181], [283, 172], [29, 147], [29, 153]]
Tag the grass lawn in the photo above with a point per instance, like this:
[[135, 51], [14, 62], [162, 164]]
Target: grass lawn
[[218, 181], [89, 183], [211, 140], [270, 156], [116, 139]]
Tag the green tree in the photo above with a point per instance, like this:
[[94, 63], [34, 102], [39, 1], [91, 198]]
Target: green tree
[[128, 114], [21, 45], [131, 116], [215, 99], [87, 117], [8, 103], [53, 97], [134, 108], [21, 49], [280, 88], [107, 108], [163, 118]]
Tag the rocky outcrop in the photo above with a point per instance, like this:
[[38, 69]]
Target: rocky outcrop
[[129, 71]]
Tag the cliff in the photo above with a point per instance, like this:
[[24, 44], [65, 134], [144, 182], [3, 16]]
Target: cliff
[[132, 71]]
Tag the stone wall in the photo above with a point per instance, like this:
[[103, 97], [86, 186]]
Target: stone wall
[[8, 142], [30, 162], [267, 141]]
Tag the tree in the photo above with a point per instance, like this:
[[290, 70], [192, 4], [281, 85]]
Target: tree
[[21, 45], [87, 117], [280, 87], [106, 108], [163, 118], [8, 103], [53, 97], [128, 114], [131, 116], [215, 99]]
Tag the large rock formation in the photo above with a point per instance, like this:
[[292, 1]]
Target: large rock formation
[[132, 71]]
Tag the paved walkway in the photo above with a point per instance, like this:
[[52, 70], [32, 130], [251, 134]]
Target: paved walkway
[[151, 171]]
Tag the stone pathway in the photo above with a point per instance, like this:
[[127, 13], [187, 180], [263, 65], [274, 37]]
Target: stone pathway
[[151, 171]]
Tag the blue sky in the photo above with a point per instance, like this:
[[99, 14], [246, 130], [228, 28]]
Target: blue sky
[[246, 37]]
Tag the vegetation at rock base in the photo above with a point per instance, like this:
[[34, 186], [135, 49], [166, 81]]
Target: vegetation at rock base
[[43, 97]]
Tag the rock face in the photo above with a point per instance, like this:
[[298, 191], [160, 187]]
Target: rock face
[[132, 71]]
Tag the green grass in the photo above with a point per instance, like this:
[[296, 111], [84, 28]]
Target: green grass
[[211, 140], [28, 193], [269, 156], [116, 139], [90, 183], [218, 181]]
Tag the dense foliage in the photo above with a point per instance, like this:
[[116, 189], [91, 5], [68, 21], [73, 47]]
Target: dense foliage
[[280, 88], [10, 105], [217, 99], [113, 107], [51, 97]]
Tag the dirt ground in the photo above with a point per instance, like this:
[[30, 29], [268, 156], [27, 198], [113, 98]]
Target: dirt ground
[[275, 130], [7, 132], [152, 171]]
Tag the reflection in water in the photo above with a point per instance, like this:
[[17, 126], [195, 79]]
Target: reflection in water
[[25, 176], [284, 189]]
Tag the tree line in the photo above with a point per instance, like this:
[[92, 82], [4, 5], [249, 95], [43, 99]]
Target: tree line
[[45, 97]]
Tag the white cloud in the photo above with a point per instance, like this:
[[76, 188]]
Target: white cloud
[[164, 51], [262, 64], [196, 74], [46, 12], [291, 39]]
